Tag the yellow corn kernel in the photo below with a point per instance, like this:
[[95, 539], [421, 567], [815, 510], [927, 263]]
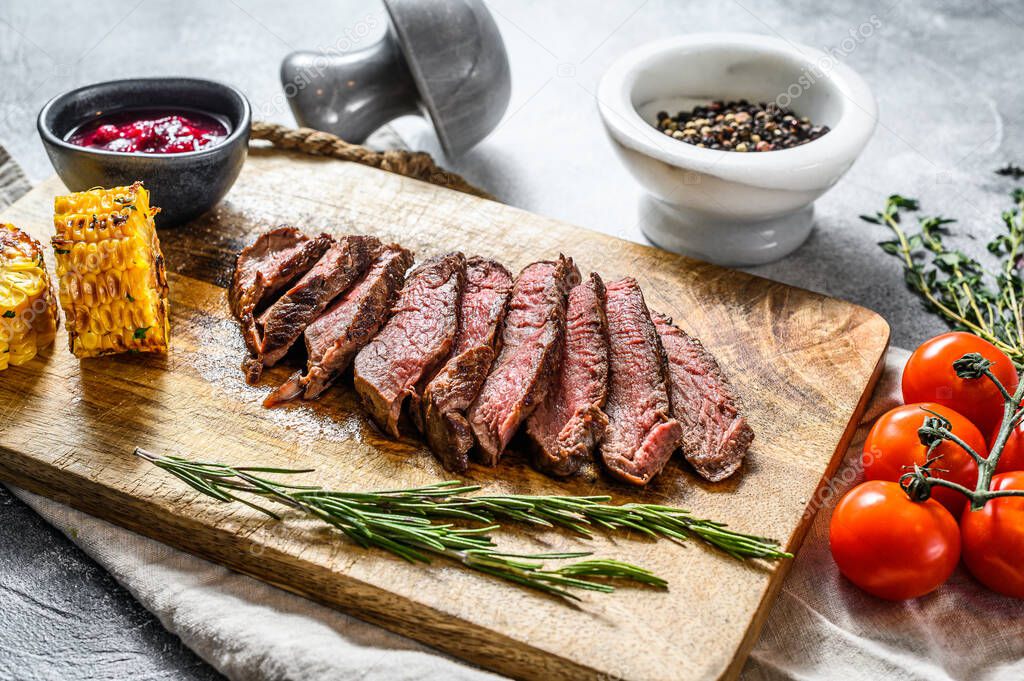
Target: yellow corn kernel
[[110, 270], [28, 308]]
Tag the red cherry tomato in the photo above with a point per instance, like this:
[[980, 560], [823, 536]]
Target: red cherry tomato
[[893, 447], [890, 546], [929, 377], [993, 539], [1012, 458]]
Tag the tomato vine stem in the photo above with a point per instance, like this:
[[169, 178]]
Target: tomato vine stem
[[936, 429]]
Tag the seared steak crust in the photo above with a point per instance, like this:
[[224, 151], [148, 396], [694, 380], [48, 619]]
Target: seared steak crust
[[531, 347], [268, 265], [567, 424], [284, 321], [333, 339], [417, 338], [641, 433], [716, 437], [450, 393], [272, 261]]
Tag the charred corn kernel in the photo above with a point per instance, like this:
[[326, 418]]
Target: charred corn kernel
[[28, 308], [110, 271]]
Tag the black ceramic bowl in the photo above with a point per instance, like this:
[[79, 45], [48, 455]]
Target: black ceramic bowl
[[184, 185]]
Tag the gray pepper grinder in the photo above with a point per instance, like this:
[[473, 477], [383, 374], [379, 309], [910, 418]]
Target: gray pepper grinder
[[443, 59]]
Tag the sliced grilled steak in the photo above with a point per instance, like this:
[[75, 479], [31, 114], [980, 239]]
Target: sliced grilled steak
[[531, 347], [269, 265], [340, 267], [641, 433], [450, 393], [716, 437], [417, 338], [274, 260], [334, 338], [567, 424]]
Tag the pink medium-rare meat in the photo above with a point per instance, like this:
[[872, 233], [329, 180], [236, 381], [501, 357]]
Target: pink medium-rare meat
[[334, 338], [641, 433], [416, 339], [567, 424], [284, 321], [452, 390], [270, 263], [716, 437], [531, 347], [264, 268]]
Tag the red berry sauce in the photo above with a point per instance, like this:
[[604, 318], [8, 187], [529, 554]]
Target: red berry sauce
[[150, 131]]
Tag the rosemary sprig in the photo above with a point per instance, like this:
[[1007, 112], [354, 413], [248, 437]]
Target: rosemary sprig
[[419, 523], [956, 286], [580, 514]]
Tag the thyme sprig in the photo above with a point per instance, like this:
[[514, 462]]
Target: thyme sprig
[[419, 523], [957, 286], [1011, 170]]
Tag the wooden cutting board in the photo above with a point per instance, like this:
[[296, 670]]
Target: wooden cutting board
[[803, 363]]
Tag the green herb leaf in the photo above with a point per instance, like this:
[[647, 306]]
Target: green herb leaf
[[9, 314], [60, 251], [903, 202], [141, 333], [890, 247]]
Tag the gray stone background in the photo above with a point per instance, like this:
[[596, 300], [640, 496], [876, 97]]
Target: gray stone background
[[947, 76]]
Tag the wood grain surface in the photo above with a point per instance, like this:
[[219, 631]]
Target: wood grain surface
[[804, 365]]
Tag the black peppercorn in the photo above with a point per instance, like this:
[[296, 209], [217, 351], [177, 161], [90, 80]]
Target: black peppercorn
[[740, 126]]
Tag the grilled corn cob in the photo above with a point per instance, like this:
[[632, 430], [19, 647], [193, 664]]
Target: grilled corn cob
[[113, 286], [28, 309]]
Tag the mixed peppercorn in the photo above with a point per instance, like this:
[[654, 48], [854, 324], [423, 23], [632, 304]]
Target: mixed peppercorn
[[740, 126]]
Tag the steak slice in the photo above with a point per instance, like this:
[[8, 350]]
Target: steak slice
[[531, 347], [333, 339], [451, 392], [641, 433], [268, 265], [417, 338], [274, 260], [284, 321], [716, 437], [566, 425]]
